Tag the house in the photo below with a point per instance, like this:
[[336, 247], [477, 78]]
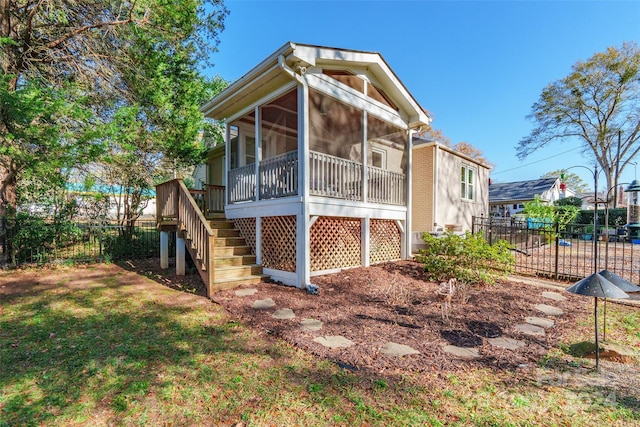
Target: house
[[508, 198], [449, 189], [315, 175]]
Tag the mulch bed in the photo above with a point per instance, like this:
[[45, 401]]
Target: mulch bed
[[394, 302]]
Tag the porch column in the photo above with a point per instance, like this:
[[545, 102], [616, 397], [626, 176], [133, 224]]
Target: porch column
[[365, 239], [227, 163], [405, 251], [258, 150], [180, 255], [303, 257], [365, 160], [164, 249]]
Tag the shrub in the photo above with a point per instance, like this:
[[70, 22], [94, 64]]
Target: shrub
[[32, 238], [469, 258]]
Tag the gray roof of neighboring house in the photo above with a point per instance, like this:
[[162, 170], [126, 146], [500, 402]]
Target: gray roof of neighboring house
[[520, 190]]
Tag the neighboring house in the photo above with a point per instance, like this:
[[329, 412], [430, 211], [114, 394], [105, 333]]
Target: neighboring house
[[449, 189], [508, 198], [319, 177]]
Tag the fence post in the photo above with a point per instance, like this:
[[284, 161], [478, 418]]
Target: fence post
[[557, 234]]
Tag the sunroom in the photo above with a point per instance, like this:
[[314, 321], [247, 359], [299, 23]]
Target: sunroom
[[317, 161]]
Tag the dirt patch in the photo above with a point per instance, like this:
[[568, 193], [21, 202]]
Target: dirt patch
[[394, 302]]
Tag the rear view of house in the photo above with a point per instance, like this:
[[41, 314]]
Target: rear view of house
[[315, 174]]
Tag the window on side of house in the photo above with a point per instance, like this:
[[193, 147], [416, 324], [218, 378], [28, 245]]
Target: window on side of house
[[467, 182]]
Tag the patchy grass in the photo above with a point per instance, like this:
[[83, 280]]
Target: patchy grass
[[104, 346]]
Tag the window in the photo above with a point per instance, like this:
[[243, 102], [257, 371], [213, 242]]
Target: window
[[515, 206], [378, 158], [467, 182]]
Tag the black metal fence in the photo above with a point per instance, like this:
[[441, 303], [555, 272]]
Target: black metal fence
[[571, 253], [31, 240]]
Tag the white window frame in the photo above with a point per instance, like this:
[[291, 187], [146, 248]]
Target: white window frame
[[383, 157], [468, 180]]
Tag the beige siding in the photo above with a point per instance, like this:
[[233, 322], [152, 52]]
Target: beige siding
[[215, 167], [451, 208]]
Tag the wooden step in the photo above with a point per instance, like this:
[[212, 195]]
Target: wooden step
[[226, 251], [237, 272], [216, 216], [227, 261], [222, 284], [222, 223], [226, 232], [229, 241]]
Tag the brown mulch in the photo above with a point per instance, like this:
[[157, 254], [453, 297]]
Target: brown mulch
[[394, 302]]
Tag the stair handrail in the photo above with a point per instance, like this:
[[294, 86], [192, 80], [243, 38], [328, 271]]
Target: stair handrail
[[175, 202], [194, 223]]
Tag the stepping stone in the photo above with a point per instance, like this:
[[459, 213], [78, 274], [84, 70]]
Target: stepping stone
[[334, 341], [263, 303], [554, 296], [285, 313], [395, 349], [529, 329], [246, 292], [506, 343], [539, 321], [311, 325], [462, 352], [549, 310]]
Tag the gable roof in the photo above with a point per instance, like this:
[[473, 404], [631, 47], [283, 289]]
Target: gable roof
[[519, 190], [269, 75]]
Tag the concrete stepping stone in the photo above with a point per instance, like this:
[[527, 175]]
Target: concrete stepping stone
[[506, 343], [549, 310], [462, 352], [395, 349], [311, 325], [246, 292], [539, 321], [554, 296], [334, 341], [529, 329], [284, 313], [263, 303]]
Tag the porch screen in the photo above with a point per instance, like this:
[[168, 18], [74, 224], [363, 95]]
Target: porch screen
[[386, 146], [335, 128], [280, 125]]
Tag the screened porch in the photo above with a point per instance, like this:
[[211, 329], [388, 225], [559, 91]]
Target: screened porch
[[351, 154]]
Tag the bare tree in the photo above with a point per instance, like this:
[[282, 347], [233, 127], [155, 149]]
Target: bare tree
[[598, 103]]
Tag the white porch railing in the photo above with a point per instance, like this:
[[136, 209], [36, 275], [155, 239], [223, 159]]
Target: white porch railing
[[279, 176], [332, 176], [385, 186], [242, 184]]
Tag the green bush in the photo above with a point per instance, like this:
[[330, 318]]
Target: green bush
[[32, 239], [469, 258]]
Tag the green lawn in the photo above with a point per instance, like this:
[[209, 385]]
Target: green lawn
[[105, 346]]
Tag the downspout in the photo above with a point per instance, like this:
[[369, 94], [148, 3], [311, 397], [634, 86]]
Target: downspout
[[303, 258], [436, 153]]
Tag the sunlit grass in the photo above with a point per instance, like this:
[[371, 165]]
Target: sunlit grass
[[105, 352]]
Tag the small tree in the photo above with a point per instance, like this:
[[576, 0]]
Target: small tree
[[540, 211]]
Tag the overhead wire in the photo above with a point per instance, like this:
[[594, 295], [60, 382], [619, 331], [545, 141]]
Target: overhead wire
[[537, 161]]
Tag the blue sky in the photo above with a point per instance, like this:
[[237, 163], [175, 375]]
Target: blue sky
[[477, 66]]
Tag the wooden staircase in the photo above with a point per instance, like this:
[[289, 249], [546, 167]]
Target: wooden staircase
[[220, 254], [233, 263]]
